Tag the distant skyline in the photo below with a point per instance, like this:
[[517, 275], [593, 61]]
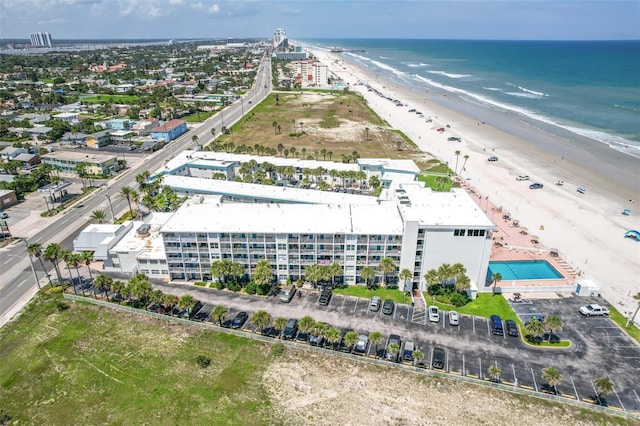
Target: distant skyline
[[452, 19]]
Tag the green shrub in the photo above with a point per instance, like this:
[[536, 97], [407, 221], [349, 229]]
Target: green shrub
[[264, 289], [62, 306], [203, 361], [219, 285], [56, 289], [459, 299], [234, 286], [251, 288], [277, 349], [436, 289], [200, 284]]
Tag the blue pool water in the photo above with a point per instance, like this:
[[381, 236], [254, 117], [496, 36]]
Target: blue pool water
[[523, 270]]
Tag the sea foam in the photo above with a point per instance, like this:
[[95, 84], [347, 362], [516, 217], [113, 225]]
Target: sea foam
[[450, 75]]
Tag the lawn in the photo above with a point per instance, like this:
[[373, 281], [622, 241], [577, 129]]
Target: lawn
[[117, 99], [434, 183], [484, 306], [384, 293], [90, 365], [632, 330], [198, 117]]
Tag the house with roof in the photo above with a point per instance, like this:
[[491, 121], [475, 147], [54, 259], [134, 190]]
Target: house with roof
[[170, 130], [99, 139]]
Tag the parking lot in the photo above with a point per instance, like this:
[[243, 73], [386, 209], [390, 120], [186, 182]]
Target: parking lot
[[599, 348]]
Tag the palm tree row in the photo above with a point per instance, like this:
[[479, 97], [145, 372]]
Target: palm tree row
[[536, 328], [155, 196], [449, 274], [54, 253]]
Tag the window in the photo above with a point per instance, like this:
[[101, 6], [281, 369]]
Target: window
[[482, 232], [458, 232], [155, 272], [282, 246]]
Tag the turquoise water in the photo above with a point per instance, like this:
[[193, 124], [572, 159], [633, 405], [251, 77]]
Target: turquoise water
[[516, 270], [590, 88]]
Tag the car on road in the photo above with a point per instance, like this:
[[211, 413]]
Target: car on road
[[512, 328], [439, 358], [290, 330], [362, 344], [239, 320], [4, 215], [407, 353], [325, 297], [389, 355], [434, 314], [581, 190], [522, 177], [536, 186], [594, 310], [454, 318], [494, 158], [388, 306], [375, 304]]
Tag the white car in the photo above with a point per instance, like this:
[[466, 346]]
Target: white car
[[522, 177], [434, 314], [454, 318]]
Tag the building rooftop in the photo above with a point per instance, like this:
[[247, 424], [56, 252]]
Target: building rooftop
[[272, 193], [80, 156], [195, 216], [149, 245], [168, 126]]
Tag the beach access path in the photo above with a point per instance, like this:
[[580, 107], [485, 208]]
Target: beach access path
[[588, 229]]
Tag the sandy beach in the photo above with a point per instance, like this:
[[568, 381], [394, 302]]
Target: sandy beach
[[588, 229]]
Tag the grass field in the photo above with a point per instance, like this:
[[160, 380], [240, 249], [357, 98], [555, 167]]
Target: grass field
[[117, 99], [88, 365], [198, 117], [384, 293], [484, 306], [620, 319]]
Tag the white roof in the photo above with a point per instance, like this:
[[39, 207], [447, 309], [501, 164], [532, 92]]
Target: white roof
[[265, 192], [391, 164], [454, 208], [146, 246], [195, 217]]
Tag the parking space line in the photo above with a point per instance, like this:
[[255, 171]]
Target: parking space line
[[534, 380], [616, 392], [356, 306], [574, 388], [637, 397], [526, 387], [488, 328], [344, 299], [514, 373], [473, 321], [480, 360], [463, 364], [596, 391]]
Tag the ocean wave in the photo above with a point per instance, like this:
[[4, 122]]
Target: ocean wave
[[412, 65], [384, 66], [355, 55], [423, 65], [626, 108], [450, 75], [616, 142], [524, 89], [523, 95], [383, 57], [493, 89]]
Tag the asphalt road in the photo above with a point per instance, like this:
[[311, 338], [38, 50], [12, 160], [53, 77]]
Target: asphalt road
[[17, 284]]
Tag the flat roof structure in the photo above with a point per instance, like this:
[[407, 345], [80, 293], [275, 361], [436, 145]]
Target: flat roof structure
[[149, 245], [80, 156]]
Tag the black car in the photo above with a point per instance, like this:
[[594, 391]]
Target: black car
[[290, 330], [388, 306], [512, 328], [389, 355], [439, 358], [536, 186], [325, 297], [492, 159], [239, 320]]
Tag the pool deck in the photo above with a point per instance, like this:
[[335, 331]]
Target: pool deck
[[514, 242]]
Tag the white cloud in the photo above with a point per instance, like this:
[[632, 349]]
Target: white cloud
[[214, 8], [197, 6], [178, 2]]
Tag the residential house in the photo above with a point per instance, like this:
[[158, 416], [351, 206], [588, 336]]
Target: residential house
[[99, 139], [96, 164], [170, 130]]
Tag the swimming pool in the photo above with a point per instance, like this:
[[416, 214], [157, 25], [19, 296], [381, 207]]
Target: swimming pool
[[523, 270]]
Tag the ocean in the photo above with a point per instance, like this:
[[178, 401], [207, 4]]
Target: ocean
[[589, 88]]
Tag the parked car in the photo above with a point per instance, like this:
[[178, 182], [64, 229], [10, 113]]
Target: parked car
[[239, 320], [522, 177], [394, 338], [291, 329], [407, 353], [496, 325], [4, 215], [434, 314], [375, 304], [492, 159], [536, 186], [594, 310], [581, 190], [325, 297], [388, 306], [454, 318], [512, 328], [439, 358], [317, 339], [362, 344]]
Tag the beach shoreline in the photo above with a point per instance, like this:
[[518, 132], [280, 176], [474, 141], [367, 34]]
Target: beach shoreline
[[587, 228]]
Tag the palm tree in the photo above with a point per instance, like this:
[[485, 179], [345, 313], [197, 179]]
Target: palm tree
[[350, 339], [262, 274], [170, 300], [463, 283], [366, 133], [87, 258], [53, 253], [637, 297], [387, 266], [417, 356], [103, 283], [603, 385], [376, 338], [219, 312], [156, 296], [367, 274], [117, 287], [534, 328], [457, 154], [494, 373], [405, 275], [333, 336], [98, 216], [35, 250], [306, 324], [125, 193], [261, 319], [495, 278], [552, 377], [445, 272], [335, 270], [72, 261], [186, 303], [213, 132], [466, 157], [275, 131], [279, 324], [432, 277], [194, 139], [393, 349], [553, 323]]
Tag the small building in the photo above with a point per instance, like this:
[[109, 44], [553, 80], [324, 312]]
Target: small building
[[144, 127], [10, 153], [170, 130], [120, 124], [100, 238], [28, 160], [95, 164], [121, 136], [69, 117], [99, 139], [7, 198]]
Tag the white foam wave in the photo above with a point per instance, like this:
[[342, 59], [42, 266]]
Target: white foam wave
[[423, 65], [615, 142], [450, 75], [493, 89], [384, 66], [383, 57], [413, 65], [523, 95], [524, 89], [355, 55]]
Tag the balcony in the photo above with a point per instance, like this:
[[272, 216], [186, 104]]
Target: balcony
[[171, 239]]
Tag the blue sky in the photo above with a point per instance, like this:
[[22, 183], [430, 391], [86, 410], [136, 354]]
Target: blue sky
[[451, 19]]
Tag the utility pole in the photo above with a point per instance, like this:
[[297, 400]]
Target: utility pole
[[33, 269], [113, 217]]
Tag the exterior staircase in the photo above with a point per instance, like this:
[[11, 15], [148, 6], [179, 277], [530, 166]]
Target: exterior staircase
[[419, 307]]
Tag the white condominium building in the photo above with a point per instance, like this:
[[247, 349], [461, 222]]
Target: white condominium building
[[40, 39]]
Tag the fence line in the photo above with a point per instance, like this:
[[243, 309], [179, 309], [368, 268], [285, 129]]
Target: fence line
[[531, 289], [352, 357]]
